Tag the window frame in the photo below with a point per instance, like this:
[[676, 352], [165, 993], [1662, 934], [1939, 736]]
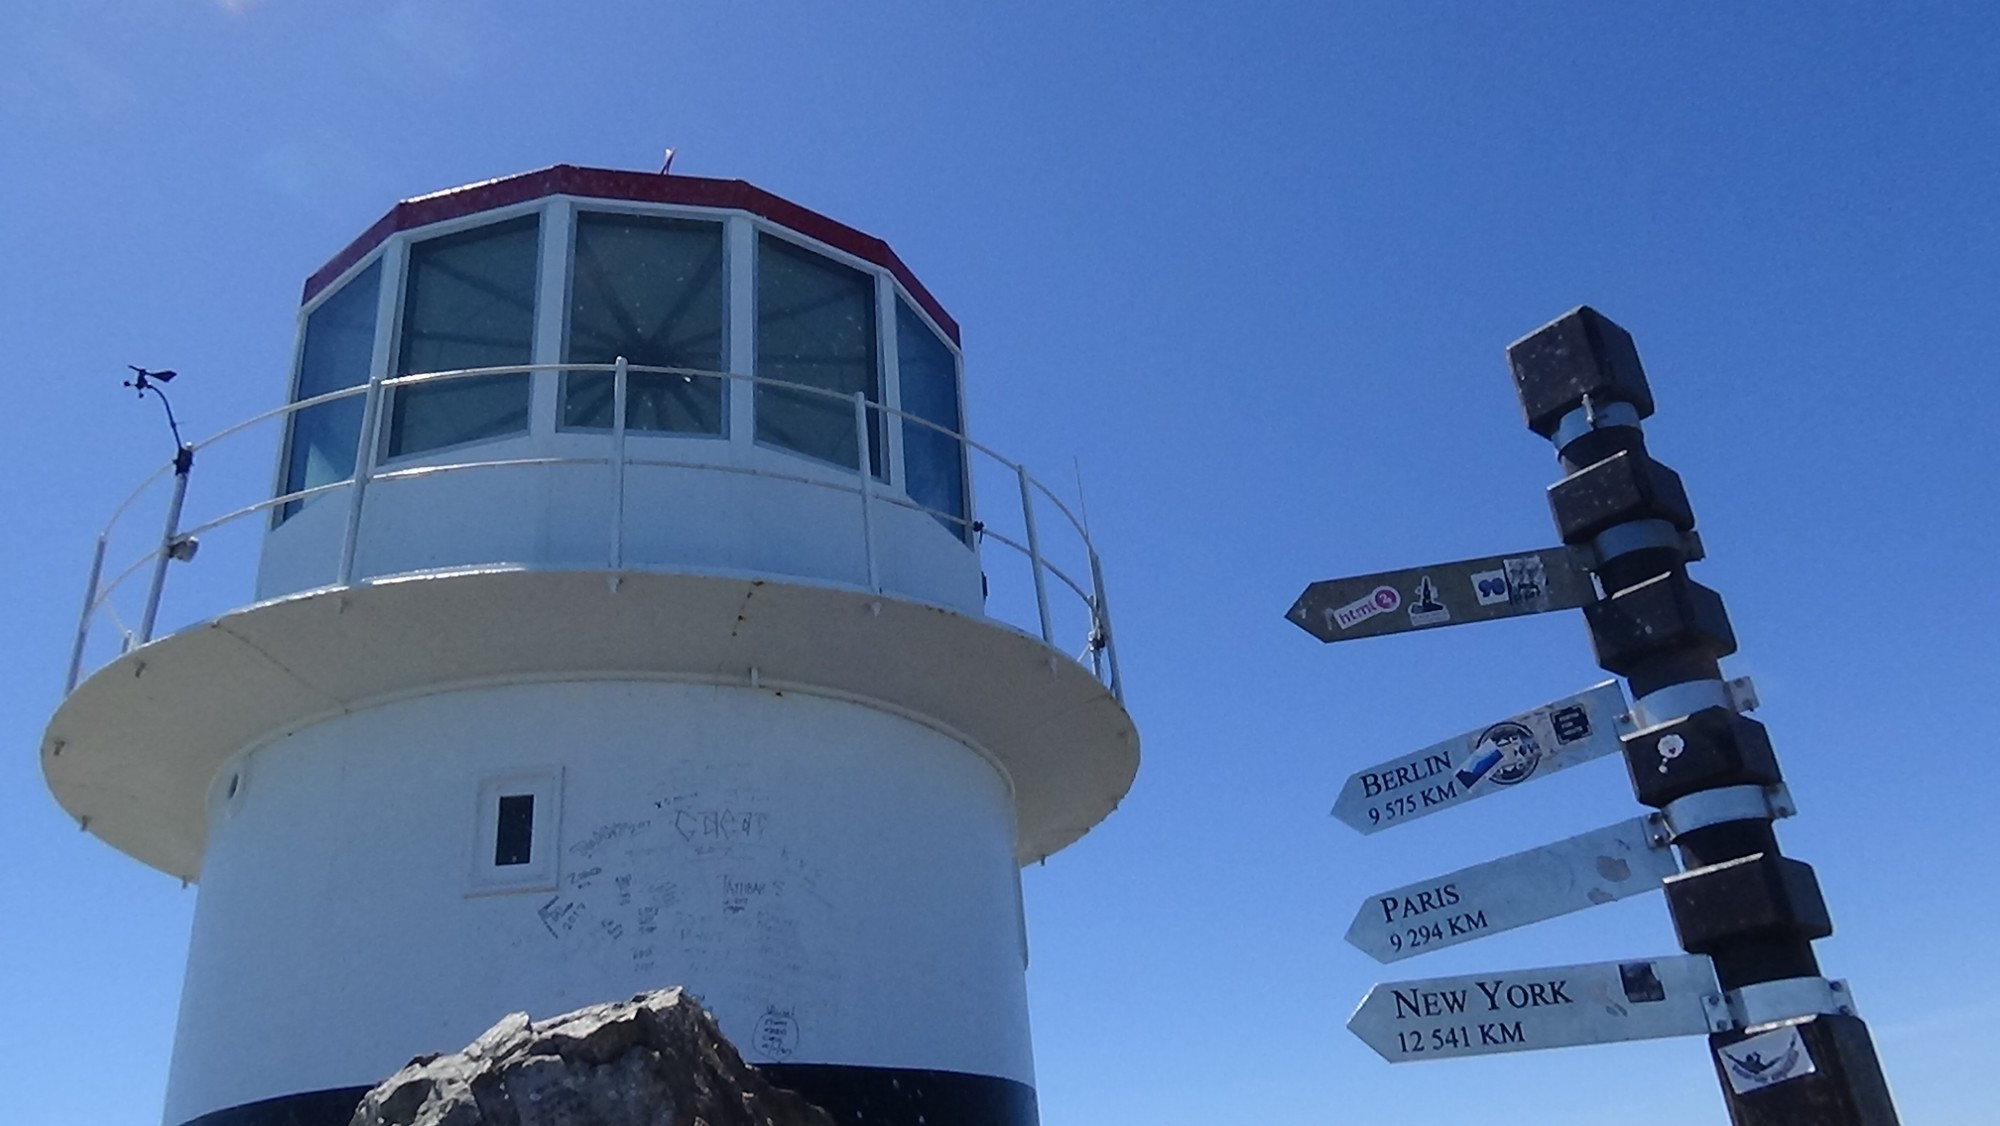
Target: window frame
[[387, 288], [904, 300], [720, 219], [880, 398], [408, 241], [544, 868]]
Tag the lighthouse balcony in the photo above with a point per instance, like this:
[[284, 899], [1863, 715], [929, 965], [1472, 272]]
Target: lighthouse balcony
[[621, 492], [553, 555], [614, 498]]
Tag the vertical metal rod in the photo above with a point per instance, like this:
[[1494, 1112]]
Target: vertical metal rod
[[183, 462], [1104, 625], [1035, 553], [620, 382], [861, 450], [83, 623], [364, 469]]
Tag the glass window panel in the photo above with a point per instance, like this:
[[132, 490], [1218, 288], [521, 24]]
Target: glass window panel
[[815, 326], [514, 830], [339, 342], [469, 303], [927, 377], [650, 290]]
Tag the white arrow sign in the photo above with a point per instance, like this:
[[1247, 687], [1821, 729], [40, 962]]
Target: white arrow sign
[[1629, 858], [1486, 760], [1557, 1007]]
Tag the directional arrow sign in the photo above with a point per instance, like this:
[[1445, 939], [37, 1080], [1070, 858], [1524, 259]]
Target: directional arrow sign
[[1629, 858], [1486, 760], [1558, 1007], [1444, 594]]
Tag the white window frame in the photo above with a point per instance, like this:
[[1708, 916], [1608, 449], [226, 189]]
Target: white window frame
[[406, 240], [383, 299], [885, 381], [725, 218], [965, 450], [542, 870]]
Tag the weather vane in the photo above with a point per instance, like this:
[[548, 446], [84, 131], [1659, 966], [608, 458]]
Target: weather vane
[[143, 381]]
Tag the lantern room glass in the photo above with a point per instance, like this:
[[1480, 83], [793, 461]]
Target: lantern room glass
[[649, 289], [927, 380], [815, 327], [338, 346], [657, 290], [469, 302]]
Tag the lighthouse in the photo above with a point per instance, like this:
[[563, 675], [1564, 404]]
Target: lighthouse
[[631, 610]]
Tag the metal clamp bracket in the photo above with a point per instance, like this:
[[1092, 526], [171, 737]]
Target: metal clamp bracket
[[1689, 697], [1703, 808], [1767, 1004], [1593, 416], [1637, 535]]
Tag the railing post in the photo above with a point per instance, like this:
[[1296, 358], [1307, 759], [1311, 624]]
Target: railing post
[[364, 468], [861, 451], [83, 623], [1035, 553], [620, 382], [183, 463], [1103, 612]]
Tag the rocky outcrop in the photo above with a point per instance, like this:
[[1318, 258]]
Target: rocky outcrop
[[656, 1060]]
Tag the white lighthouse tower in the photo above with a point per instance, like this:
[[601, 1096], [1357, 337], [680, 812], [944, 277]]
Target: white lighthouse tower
[[623, 619]]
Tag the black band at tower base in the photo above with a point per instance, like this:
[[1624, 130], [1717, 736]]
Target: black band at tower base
[[863, 1096]]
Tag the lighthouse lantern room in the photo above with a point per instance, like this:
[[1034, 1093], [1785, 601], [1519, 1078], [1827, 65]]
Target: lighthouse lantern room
[[631, 610]]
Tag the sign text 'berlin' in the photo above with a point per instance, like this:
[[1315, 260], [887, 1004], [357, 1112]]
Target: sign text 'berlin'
[[1486, 760]]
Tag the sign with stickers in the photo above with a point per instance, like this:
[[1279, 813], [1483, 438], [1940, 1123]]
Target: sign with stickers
[[1556, 1007], [1444, 594], [1486, 760], [1601, 866]]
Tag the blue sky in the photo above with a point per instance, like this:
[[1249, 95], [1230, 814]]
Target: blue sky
[[1252, 267]]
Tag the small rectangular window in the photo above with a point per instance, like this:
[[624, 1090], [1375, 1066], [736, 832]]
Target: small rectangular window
[[514, 833]]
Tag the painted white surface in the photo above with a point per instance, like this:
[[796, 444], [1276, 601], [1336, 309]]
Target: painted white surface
[[132, 751], [837, 883], [726, 519]]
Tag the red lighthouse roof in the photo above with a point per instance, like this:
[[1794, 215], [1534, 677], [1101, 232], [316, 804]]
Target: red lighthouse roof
[[639, 187]]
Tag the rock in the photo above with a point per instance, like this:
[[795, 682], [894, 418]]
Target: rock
[[656, 1060]]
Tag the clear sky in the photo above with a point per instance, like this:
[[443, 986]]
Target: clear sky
[[1252, 267]]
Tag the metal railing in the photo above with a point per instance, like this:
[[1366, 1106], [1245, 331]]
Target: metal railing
[[177, 541]]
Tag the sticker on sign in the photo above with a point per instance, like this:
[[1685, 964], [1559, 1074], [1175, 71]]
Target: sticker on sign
[[1555, 1007], [1381, 600], [1485, 760], [1769, 1058]]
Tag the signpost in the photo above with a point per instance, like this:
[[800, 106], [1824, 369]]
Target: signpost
[[1486, 760], [1787, 1044], [1445, 594], [1612, 863], [1556, 1007]]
